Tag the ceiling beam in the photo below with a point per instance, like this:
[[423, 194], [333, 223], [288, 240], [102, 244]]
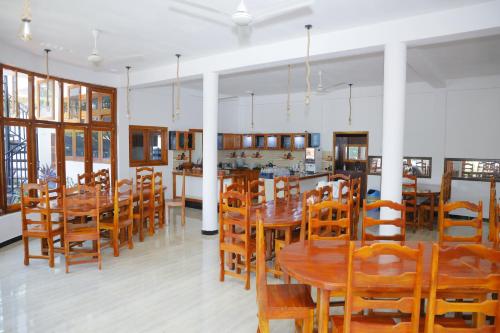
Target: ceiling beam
[[425, 69], [460, 23]]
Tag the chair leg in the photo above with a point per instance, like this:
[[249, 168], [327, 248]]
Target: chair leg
[[247, 271], [222, 259], [66, 255], [238, 263], [277, 249], [26, 251], [263, 325], [308, 324], [50, 242], [116, 245], [99, 259], [140, 225], [152, 224], [130, 229], [183, 215]]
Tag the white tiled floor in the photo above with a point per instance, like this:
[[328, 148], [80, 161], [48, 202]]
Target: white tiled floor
[[169, 283]]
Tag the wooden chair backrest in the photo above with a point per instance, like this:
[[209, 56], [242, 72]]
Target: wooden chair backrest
[[235, 187], [410, 191], [261, 278], [344, 191], [492, 210], [143, 171], [445, 222], [123, 201], [35, 206], [280, 188], [83, 204], [445, 283], [55, 187], [146, 192], [355, 192], [158, 188], [102, 179], [363, 282], [338, 176], [257, 191], [327, 226], [325, 192], [370, 221], [86, 178], [308, 198], [232, 217], [293, 187]]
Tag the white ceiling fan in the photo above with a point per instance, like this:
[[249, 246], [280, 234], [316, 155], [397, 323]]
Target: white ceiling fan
[[94, 58], [321, 89], [241, 18]]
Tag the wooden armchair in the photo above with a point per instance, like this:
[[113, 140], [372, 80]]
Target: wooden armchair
[[444, 284], [232, 241], [475, 223], [144, 211], [123, 215], [280, 301], [257, 191], [397, 291], [280, 188], [84, 205], [409, 195], [326, 226], [102, 179], [178, 202], [37, 222], [368, 221]]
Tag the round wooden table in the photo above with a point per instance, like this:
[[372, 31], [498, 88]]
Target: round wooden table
[[323, 264]]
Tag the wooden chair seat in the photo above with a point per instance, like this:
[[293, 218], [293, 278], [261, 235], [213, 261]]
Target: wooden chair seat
[[446, 322], [75, 232], [38, 229], [107, 223], [360, 323], [292, 298]]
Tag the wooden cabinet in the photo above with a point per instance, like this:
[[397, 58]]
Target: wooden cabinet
[[247, 141], [260, 141], [286, 141], [299, 141], [180, 140], [231, 141], [272, 141]]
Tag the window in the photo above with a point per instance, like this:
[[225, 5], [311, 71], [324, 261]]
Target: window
[[418, 166], [148, 145], [473, 169], [45, 130]]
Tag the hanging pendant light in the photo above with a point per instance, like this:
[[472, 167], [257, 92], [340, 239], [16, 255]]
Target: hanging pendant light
[[47, 76], [350, 104], [178, 89], [129, 116], [308, 66], [25, 29], [252, 94], [288, 106], [173, 101]]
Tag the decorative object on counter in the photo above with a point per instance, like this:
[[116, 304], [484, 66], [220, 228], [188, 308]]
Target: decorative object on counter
[[181, 157], [232, 155], [243, 155], [257, 155], [288, 156]]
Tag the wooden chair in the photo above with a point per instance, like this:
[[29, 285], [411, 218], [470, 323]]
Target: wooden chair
[[444, 284], [339, 176], [293, 187], [37, 222], [493, 233], [55, 187], [427, 209], [366, 282], [178, 202], [86, 178], [143, 171], [102, 179], [368, 221], [325, 192], [409, 195], [344, 191], [355, 192], [475, 223], [144, 211], [309, 198], [232, 241], [280, 301], [280, 188], [325, 226], [123, 215], [257, 191], [85, 205], [159, 198]]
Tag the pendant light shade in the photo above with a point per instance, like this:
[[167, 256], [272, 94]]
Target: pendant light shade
[[25, 29]]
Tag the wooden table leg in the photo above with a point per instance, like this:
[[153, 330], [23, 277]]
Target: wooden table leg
[[431, 213], [288, 240], [323, 310]]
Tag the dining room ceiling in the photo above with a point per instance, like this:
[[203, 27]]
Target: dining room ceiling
[[149, 34]]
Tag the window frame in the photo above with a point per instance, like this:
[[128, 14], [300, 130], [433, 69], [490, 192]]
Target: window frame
[[485, 178], [370, 157], [32, 123], [146, 130]]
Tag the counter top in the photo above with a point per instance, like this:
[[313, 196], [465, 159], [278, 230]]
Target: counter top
[[199, 173], [313, 175]]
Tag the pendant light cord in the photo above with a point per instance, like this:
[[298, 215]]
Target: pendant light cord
[[47, 101], [288, 108], [27, 10], [308, 66], [350, 104], [128, 91], [252, 109], [178, 87]]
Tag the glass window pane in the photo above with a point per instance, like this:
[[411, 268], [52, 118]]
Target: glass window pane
[[46, 152], [47, 99], [138, 146], [101, 150], [95, 145], [16, 161], [75, 103], [74, 142], [16, 94], [101, 106], [155, 146]]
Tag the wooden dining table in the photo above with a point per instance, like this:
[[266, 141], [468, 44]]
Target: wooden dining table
[[323, 264]]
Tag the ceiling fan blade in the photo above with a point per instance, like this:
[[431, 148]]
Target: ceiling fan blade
[[200, 6], [228, 97], [194, 12], [333, 86], [282, 10]]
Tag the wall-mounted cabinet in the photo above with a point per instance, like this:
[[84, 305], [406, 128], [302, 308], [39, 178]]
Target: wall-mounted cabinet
[[299, 141], [247, 141], [286, 141], [314, 140], [272, 141], [268, 141], [231, 141], [260, 141], [180, 140]]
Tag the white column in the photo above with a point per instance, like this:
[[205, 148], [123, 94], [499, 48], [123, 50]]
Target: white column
[[393, 124], [210, 112]]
